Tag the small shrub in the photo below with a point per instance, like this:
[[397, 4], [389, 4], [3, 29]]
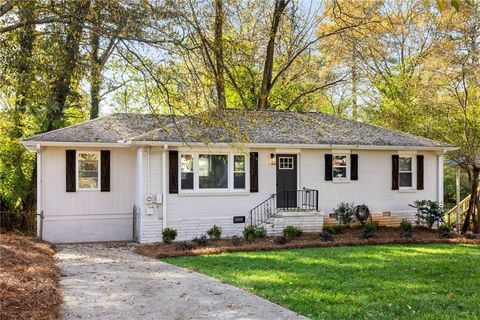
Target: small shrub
[[291, 232], [326, 236], [215, 232], [202, 240], [168, 235], [444, 230], [280, 240], [236, 241], [369, 230], [428, 212], [344, 212], [406, 228], [184, 246], [336, 229], [251, 233]]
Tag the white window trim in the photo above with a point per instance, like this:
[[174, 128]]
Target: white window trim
[[234, 171], [347, 165], [286, 157], [77, 170], [413, 187], [196, 177]]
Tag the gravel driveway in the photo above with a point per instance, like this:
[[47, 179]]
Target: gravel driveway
[[109, 281]]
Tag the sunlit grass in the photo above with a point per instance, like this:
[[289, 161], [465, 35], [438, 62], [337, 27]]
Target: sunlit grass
[[437, 281]]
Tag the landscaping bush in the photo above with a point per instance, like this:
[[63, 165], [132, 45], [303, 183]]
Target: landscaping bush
[[326, 236], [280, 240], [251, 233], [428, 212], [444, 230], [337, 229], [291, 232], [202, 240], [215, 232], [168, 235], [344, 212], [184, 246], [369, 230], [236, 241], [406, 228]]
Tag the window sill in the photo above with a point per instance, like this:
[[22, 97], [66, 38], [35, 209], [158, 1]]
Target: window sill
[[344, 180], [212, 193], [407, 190]]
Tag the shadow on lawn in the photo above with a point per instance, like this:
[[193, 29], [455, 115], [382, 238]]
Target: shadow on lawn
[[367, 282]]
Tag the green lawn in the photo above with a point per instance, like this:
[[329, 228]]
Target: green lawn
[[437, 281]]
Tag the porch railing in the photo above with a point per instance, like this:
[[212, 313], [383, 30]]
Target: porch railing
[[287, 200]]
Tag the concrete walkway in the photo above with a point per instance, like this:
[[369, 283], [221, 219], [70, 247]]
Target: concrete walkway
[[109, 281]]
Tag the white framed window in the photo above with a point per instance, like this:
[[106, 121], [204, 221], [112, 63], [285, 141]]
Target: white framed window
[[186, 172], [88, 171], [285, 163], [239, 172], [212, 172], [340, 167], [405, 172]]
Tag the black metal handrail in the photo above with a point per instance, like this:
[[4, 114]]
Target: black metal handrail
[[287, 200]]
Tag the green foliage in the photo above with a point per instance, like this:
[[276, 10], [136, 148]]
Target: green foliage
[[336, 229], [251, 233], [383, 277], [215, 232], [344, 212], [444, 230], [406, 228], [326, 236], [291, 232], [428, 212], [369, 230], [168, 235]]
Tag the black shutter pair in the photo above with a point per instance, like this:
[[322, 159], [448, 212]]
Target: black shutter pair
[[329, 167], [396, 171], [173, 171], [71, 167]]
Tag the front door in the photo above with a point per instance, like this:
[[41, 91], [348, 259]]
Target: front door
[[286, 180]]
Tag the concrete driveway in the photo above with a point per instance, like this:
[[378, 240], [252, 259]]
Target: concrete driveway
[[109, 281]]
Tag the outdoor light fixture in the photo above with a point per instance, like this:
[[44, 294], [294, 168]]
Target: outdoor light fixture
[[273, 159]]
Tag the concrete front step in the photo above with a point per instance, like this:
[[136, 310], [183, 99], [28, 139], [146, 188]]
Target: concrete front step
[[307, 221]]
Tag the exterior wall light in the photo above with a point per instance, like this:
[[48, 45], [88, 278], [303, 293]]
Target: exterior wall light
[[273, 159]]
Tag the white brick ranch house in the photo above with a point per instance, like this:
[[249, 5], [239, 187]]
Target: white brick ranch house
[[128, 176]]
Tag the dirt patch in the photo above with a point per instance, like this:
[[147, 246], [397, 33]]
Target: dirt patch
[[348, 237], [28, 278]]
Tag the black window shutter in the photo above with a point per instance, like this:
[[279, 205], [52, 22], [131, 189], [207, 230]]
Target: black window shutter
[[395, 168], [354, 167], [420, 172], [70, 165], [105, 170], [253, 171], [328, 167], [173, 172]]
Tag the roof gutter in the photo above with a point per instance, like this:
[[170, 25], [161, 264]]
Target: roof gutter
[[32, 145], [294, 145]]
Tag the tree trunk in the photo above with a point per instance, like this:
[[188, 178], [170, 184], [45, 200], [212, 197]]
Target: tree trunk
[[63, 79], [262, 102], [472, 203], [218, 47], [95, 74]]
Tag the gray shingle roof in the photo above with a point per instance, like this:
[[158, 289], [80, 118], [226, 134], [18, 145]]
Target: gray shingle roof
[[267, 127]]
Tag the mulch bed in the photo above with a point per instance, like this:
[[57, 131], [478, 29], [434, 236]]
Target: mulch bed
[[349, 237], [28, 278]]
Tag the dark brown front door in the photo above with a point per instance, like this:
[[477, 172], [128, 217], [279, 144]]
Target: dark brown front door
[[286, 180]]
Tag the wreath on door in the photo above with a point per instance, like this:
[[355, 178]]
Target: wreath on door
[[362, 212]]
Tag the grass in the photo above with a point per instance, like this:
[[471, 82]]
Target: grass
[[28, 278], [436, 281]]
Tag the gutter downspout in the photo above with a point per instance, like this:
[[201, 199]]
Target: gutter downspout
[[39, 193], [164, 186], [440, 179]]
